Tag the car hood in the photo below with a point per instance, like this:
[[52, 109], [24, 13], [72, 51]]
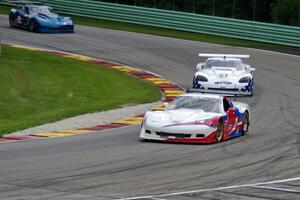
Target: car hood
[[52, 17], [223, 73], [178, 116]]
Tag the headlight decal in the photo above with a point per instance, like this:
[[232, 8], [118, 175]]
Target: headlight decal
[[201, 78], [245, 79]]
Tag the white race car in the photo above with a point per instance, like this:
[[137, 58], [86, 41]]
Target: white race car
[[197, 118], [224, 73]]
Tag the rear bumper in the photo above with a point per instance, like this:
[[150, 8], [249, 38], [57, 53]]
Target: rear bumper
[[234, 88]]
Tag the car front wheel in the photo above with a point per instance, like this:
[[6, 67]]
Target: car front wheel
[[12, 22], [246, 123], [220, 132]]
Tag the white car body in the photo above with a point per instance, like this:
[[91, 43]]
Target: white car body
[[224, 73], [195, 125]]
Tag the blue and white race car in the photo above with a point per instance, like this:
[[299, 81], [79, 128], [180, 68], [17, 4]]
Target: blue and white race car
[[39, 18], [225, 74]]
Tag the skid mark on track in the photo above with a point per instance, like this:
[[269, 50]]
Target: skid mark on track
[[260, 185]]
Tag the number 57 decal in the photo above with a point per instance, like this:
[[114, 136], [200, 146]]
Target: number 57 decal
[[223, 75]]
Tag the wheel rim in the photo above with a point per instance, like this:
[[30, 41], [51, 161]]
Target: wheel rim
[[219, 136]]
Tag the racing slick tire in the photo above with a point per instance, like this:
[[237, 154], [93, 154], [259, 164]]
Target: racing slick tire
[[246, 123], [12, 22], [252, 93], [220, 132]]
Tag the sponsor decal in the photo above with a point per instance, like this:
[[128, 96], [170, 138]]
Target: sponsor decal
[[223, 83]]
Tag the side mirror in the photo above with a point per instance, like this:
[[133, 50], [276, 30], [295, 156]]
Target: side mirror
[[252, 70]]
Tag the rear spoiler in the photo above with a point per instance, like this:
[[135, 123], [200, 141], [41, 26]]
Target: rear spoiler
[[224, 55], [220, 92]]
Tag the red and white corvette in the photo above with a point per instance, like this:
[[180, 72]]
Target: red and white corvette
[[197, 118]]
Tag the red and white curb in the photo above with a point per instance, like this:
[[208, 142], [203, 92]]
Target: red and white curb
[[169, 90]]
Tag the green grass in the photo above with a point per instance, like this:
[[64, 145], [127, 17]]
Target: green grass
[[4, 9], [175, 34], [38, 87]]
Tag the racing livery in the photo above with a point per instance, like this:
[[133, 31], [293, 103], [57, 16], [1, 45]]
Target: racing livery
[[197, 118], [224, 73], [39, 18]]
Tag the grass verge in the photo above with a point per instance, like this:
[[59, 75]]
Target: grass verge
[[4, 9], [38, 87], [175, 34]]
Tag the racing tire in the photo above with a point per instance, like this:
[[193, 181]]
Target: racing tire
[[32, 26], [251, 94], [246, 123], [12, 22], [220, 132]]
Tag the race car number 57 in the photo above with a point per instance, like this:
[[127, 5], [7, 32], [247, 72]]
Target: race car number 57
[[223, 75]]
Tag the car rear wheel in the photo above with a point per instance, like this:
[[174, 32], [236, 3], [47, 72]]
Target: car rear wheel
[[220, 132], [246, 123]]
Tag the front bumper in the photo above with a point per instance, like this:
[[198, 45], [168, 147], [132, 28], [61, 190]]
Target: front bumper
[[222, 92], [180, 134], [56, 29], [232, 88]]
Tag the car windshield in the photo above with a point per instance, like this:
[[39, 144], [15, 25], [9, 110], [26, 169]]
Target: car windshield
[[196, 103], [223, 63], [40, 9]]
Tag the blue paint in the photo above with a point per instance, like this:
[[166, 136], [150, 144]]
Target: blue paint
[[196, 84], [224, 118], [236, 133], [249, 87], [238, 113]]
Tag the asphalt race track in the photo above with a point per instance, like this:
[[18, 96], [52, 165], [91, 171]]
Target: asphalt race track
[[114, 164]]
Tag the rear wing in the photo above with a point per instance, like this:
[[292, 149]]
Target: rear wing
[[224, 55], [220, 92]]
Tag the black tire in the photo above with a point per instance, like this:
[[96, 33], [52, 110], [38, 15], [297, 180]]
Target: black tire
[[246, 123], [220, 132], [252, 93], [32, 26], [12, 22]]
